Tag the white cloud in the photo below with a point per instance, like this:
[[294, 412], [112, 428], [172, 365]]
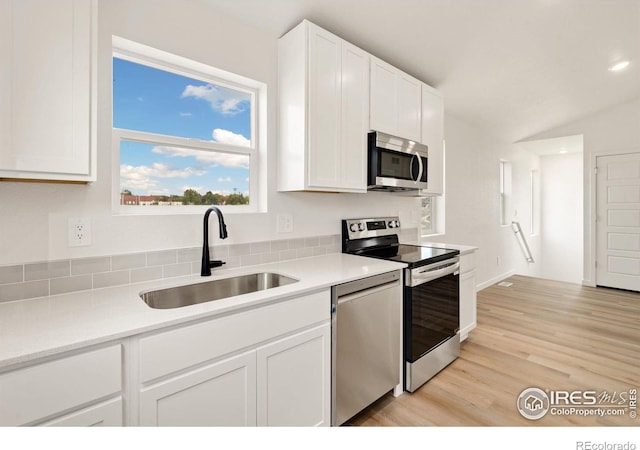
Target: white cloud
[[230, 138], [145, 178], [158, 170], [221, 99], [204, 157], [225, 180], [185, 114]]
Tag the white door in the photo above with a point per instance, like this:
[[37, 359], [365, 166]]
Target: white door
[[222, 394], [355, 117], [618, 221], [294, 380], [324, 108], [409, 107], [383, 113], [45, 86]]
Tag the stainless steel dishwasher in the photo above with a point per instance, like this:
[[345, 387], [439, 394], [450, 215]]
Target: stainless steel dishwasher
[[366, 332]]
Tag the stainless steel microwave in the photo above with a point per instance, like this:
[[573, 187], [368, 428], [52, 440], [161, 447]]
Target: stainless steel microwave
[[395, 164]]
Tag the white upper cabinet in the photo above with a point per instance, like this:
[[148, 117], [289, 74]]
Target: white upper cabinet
[[46, 116], [433, 137], [323, 89], [395, 101]]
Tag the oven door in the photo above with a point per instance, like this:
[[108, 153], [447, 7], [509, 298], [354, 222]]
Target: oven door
[[431, 307]]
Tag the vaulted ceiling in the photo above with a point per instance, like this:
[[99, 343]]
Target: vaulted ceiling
[[515, 67]]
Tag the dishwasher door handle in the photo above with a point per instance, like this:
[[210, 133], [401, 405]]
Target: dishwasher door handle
[[369, 291]]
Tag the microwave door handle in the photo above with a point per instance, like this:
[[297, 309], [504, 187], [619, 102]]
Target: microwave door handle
[[413, 158], [420, 168]]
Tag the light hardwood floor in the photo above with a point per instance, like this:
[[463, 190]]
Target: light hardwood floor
[[536, 333]]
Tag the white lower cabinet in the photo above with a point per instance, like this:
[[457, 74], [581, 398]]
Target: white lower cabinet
[[220, 394], [468, 297], [267, 366], [270, 365]]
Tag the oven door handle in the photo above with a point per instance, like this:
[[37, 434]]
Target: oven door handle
[[418, 277]]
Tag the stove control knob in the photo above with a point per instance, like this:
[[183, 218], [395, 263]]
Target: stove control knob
[[393, 224], [361, 226], [353, 227]]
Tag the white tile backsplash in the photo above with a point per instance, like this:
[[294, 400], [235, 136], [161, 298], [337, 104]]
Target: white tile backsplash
[[46, 278]]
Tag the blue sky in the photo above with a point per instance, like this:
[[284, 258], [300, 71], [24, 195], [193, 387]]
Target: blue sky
[[155, 101]]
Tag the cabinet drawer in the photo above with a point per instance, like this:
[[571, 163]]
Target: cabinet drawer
[[467, 262], [165, 353], [107, 414], [33, 393]]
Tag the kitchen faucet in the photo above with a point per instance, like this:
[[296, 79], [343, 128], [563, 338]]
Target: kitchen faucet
[[207, 264]]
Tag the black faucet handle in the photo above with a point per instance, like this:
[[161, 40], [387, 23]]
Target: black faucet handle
[[216, 263]]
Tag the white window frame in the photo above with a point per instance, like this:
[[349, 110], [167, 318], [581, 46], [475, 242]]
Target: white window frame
[[151, 57], [505, 191]]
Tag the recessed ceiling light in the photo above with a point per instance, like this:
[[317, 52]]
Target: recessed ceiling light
[[619, 66]]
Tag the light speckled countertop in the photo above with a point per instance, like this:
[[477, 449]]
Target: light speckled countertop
[[45, 326]]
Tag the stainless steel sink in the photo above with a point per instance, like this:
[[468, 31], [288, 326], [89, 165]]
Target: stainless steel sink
[[192, 294]]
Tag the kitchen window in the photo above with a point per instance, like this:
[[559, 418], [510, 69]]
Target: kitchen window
[[184, 134], [427, 223]]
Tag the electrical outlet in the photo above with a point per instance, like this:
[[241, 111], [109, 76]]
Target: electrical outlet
[[79, 231], [285, 223]]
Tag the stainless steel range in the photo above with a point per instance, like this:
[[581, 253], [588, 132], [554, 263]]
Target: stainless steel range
[[431, 300]]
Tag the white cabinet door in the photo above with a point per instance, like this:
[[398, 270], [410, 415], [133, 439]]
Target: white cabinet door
[[355, 117], [396, 101], [6, 51], [433, 137], [324, 108], [468, 302], [468, 296], [294, 380], [384, 97], [46, 89], [323, 102], [221, 394], [409, 107], [107, 414]]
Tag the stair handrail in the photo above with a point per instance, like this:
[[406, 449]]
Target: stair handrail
[[522, 240]]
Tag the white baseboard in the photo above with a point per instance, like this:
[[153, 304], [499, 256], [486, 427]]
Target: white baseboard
[[588, 283], [494, 280]]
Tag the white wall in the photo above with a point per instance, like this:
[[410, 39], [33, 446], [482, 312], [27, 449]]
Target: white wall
[[561, 217], [613, 131], [472, 195]]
